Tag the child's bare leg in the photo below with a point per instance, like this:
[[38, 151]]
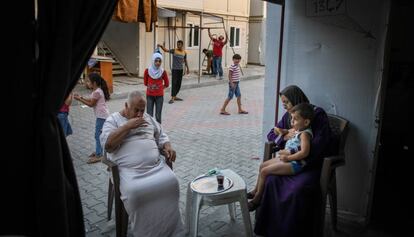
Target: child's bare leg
[[277, 168], [226, 102], [263, 165], [239, 105]]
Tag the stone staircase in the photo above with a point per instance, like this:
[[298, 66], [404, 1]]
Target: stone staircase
[[117, 68]]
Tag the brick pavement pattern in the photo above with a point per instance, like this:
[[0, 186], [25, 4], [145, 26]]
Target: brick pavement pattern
[[203, 140]]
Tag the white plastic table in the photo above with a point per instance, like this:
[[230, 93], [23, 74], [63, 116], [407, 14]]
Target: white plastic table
[[237, 193]]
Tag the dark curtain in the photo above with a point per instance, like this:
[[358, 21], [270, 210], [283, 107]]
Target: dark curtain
[[39, 194]]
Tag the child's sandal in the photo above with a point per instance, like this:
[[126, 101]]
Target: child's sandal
[[250, 195], [252, 206], [224, 113]]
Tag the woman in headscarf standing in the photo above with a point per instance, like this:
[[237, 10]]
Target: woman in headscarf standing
[[156, 80], [288, 203]]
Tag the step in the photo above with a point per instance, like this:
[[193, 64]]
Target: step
[[119, 72], [118, 69], [117, 66]]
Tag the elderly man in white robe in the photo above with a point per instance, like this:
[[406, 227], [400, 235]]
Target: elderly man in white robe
[[149, 189]]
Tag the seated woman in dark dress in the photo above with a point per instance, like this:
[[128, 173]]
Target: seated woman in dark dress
[[287, 207]]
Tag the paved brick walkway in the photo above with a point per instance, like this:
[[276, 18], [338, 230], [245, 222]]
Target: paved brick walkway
[[203, 140]]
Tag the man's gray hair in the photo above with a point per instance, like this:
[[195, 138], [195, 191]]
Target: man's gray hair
[[134, 94]]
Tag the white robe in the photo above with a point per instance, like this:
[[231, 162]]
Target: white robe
[[149, 189]]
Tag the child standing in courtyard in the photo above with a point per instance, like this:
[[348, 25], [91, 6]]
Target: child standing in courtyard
[[97, 100], [156, 80], [234, 88], [63, 115]]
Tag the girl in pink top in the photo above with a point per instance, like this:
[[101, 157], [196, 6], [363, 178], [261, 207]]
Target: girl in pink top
[[97, 100]]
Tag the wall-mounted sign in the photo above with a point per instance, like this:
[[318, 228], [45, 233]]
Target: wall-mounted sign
[[325, 7]]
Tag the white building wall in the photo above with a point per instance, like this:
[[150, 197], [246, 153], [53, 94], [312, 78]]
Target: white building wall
[[193, 52], [262, 44], [257, 42], [339, 69], [242, 49], [196, 5], [147, 42], [256, 7], [257, 32], [164, 36], [122, 39], [235, 13], [146, 48], [272, 60], [227, 50], [228, 7]]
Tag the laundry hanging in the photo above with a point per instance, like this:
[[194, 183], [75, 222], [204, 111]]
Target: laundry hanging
[[128, 11]]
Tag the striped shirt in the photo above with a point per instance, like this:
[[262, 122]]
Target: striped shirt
[[236, 72]]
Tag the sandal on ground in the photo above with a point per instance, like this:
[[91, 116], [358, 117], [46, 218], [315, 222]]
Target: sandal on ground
[[171, 101], [250, 195], [94, 159], [93, 154], [178, 99], [243, 112], [224, 113], [252, 206]]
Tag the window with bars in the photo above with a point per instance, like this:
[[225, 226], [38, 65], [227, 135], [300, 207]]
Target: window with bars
[[193, 35], [234, 36]]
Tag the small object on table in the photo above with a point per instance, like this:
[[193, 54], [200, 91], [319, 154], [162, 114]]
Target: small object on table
[[213, 171], [220, 180], [207, 184]]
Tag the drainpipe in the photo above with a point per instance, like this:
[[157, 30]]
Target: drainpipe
[[200, 34], [228, 40], [155, 36], [282, 23]]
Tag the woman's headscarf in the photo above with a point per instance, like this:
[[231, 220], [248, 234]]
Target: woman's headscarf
[[153, 71], [295, 95]]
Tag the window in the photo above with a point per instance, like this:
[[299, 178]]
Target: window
[[196, 35], [234, 36], [193, 35], [190, 35]]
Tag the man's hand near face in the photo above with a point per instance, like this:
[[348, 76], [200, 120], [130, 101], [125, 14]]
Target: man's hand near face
[[136, 123]]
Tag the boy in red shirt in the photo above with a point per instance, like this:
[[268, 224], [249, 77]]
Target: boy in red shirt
[[156, 80], [218, 45]]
